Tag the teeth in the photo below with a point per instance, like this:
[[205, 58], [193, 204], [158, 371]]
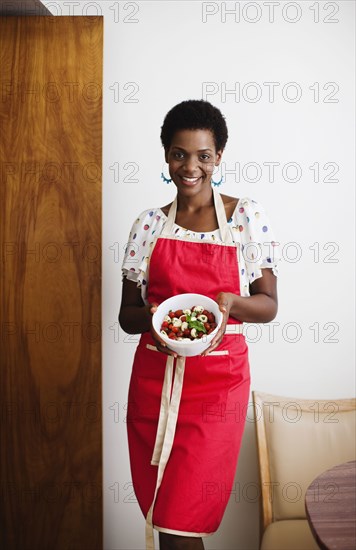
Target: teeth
[[190, 179]]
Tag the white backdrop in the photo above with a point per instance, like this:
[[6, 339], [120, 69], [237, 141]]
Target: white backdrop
[[283, 75]]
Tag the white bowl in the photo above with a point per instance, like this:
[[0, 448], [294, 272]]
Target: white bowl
[[187, 348]]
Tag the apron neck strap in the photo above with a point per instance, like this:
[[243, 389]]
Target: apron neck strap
[[220, 214]]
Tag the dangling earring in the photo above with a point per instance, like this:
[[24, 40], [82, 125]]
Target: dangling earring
[[166, 180], [217, 183]]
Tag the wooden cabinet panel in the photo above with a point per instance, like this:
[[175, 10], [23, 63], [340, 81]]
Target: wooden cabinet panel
[[50, 223]]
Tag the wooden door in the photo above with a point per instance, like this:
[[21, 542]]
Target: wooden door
[[50, 222]]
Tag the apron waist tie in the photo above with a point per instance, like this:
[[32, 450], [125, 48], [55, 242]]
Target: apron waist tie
[[165, 431], [168, 420]]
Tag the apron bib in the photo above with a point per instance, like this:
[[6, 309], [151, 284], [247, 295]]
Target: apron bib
[[186, 416]]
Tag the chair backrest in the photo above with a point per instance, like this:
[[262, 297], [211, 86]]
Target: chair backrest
[[298, 439]]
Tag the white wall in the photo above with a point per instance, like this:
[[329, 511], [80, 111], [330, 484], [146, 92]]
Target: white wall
[[157, 54]]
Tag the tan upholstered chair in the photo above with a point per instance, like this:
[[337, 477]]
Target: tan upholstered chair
[[297, 439]]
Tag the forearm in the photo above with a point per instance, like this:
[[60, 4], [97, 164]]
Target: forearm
[[258, 308], [135, 319]]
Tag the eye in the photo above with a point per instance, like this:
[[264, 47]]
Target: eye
[[178, 155], [205, 156]]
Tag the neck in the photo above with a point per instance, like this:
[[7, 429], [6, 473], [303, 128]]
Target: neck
[[196, 202]]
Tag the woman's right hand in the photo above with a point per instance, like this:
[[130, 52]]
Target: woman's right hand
[[160, 343]]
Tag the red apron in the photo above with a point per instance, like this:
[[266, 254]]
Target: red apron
[[184, 440]]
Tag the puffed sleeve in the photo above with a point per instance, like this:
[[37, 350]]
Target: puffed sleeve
[[138, 246], [260, 249]]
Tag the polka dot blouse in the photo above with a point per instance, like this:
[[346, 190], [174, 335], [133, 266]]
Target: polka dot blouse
[[249, 226]]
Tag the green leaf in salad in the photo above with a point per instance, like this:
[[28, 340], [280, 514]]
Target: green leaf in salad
[[197, 325]]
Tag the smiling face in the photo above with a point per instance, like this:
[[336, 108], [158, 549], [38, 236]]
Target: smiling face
[[192, 159]]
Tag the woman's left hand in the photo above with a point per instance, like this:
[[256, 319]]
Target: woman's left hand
[[224, 299]]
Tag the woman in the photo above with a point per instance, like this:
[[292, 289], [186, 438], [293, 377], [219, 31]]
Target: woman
[[184, 442]]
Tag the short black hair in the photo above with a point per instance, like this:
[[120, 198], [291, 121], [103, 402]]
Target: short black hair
[[194, 114]]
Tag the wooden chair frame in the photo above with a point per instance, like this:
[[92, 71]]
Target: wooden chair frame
[[258, 398]]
